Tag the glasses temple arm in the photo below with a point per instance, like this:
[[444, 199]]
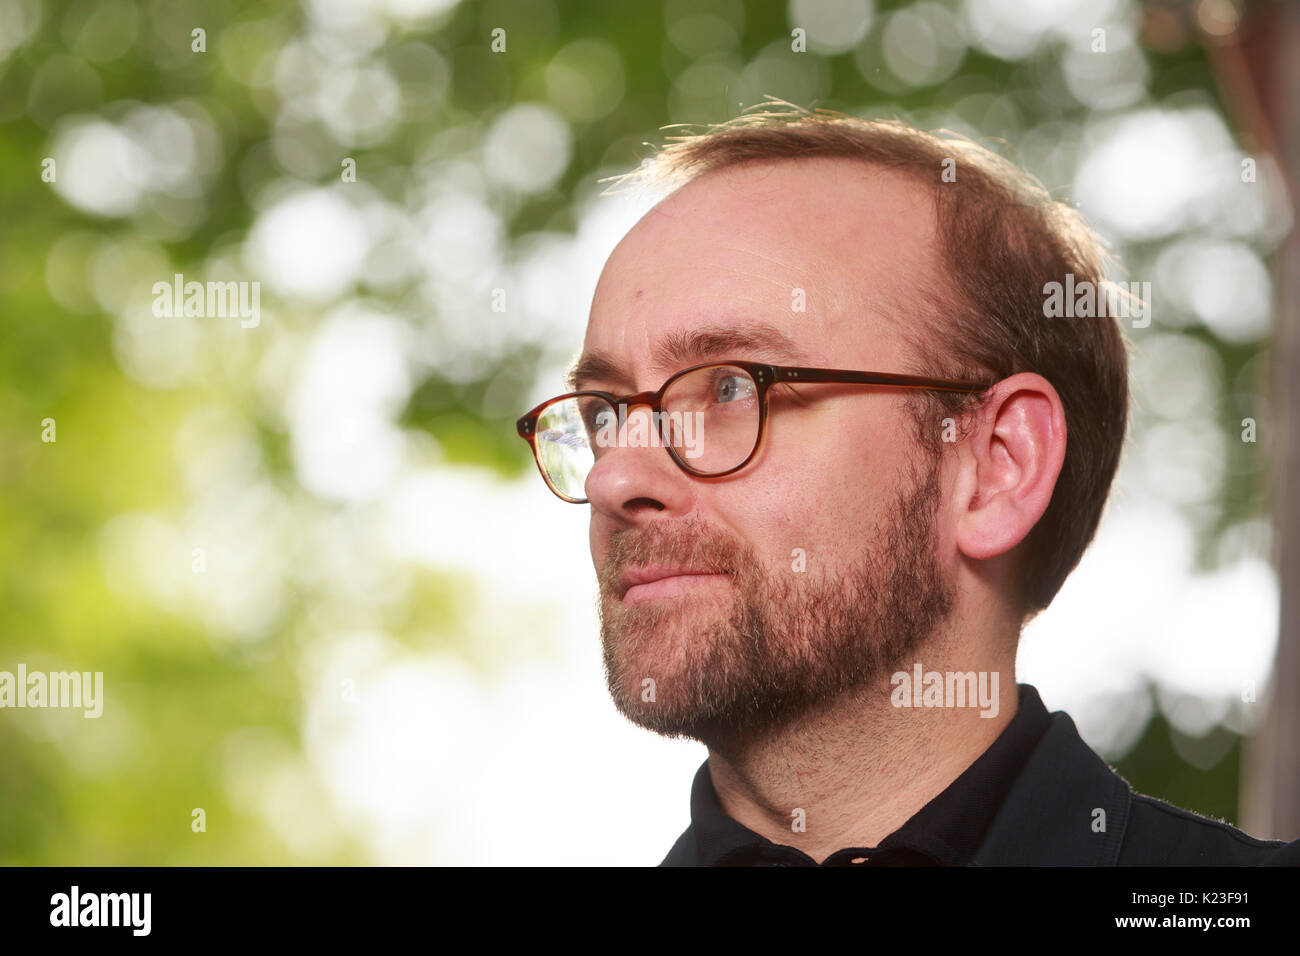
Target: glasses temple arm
[[847, 377]]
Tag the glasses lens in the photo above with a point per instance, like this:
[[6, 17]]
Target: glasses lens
[[712, 417], [566, 436]]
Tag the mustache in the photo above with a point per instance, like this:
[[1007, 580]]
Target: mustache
[[692, 544]]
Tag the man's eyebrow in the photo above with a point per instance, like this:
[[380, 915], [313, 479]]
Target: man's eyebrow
[[593, 366], [683, 348]]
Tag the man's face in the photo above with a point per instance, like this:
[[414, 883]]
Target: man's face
[[827, 551]]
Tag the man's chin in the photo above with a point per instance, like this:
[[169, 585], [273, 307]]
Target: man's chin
[[661, 711], [716, 721], [658, 671], [655, 718]]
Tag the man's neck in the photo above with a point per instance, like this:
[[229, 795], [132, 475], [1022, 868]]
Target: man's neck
[[861, 766]]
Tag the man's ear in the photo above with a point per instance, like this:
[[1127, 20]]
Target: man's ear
[[1009, 465]]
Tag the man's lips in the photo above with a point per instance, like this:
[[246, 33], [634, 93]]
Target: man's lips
[[660, 580]]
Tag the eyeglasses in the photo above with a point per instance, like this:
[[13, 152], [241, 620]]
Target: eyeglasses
[[711, 419]]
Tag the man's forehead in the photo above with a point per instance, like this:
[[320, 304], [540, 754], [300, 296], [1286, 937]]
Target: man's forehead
[[679, 348], [813, 197], [777, 261]]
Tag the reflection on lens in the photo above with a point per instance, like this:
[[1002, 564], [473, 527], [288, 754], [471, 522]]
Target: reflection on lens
[[564, 444], [710, 420]]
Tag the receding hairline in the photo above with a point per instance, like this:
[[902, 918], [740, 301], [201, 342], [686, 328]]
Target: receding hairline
[[893, 304], [781, 130], [783, 133]]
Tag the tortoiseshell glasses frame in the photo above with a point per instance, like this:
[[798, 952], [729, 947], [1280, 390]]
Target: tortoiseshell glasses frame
[[763, 377]]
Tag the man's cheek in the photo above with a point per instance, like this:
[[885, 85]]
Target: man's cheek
[[598, 540]]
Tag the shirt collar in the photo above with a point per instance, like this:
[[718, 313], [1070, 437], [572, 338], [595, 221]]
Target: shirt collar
[[947, 831]]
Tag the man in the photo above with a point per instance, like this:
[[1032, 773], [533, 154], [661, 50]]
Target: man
[[821, 575]]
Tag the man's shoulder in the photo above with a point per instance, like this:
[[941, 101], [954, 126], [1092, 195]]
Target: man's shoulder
[[1069, 807], [684, 851], [1161, 834]]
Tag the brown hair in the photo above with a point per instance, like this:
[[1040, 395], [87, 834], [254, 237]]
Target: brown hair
[[1003, 238]]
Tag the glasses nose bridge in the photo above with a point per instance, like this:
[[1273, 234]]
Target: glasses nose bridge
[[640, 398], [626, 404]]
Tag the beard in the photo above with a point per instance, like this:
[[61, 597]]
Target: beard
[[730, 664]]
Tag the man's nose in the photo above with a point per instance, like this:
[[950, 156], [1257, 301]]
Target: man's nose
[[636, 476]]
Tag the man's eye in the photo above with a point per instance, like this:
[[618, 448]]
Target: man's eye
[[730, 388]]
